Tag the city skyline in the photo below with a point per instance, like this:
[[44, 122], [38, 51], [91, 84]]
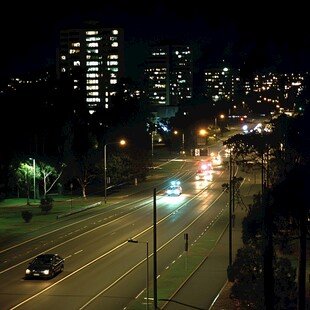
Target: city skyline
[[269, 39]]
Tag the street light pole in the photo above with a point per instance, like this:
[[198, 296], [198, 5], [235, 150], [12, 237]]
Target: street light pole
[[152, 137], [231, 197], [34, 178], [121, 142], [147, 268], [176, 132], [105, 171]]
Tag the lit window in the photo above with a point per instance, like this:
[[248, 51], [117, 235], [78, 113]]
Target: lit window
[[112, 63], [92, 51], [74, 51], [91, 81], [92, 44], [92, 87], [92, 75], [93, 39], [91, 32], [92, 63], [92, 69]]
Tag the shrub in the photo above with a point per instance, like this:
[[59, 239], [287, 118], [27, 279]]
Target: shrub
[[27, 216], [46, 204]]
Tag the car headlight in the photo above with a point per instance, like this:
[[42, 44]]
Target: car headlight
[[46, 272], [28, 271]]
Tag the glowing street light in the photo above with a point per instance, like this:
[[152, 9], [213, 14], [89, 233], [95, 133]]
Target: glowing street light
[[221, 117], [202, 132], [121, 142], [147, 268]]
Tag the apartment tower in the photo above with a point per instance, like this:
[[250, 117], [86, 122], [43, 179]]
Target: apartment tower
[[169, 77], [93, 57]]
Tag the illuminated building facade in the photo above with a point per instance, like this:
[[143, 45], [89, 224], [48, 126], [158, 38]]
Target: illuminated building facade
[[220, 83], [169, 75], [93, 58]]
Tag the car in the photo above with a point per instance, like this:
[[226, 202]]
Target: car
[[174, 189], [45, 266], [202, 175]]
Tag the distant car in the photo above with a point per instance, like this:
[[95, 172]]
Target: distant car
[[202, 175], [45, 266], [174, 189]]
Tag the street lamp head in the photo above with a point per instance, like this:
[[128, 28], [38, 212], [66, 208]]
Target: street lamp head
[[122, 142], [202, 132]]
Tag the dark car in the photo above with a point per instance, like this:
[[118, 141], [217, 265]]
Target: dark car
[[45, 266]]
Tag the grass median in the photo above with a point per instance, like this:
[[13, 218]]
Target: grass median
[[175, 275]]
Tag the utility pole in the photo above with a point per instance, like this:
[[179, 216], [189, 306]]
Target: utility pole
[[155, 250], [230, 206]]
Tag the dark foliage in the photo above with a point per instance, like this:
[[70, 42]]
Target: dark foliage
[[46, 204], [27, 215]]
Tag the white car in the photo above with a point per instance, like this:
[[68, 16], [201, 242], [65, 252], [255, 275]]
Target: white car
[[174, 189]]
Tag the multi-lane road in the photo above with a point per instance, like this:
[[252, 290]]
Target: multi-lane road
[[102, 269]]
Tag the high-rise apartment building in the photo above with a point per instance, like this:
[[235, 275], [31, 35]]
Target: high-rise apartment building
[[169, 75], [220, 83], [94, 58]]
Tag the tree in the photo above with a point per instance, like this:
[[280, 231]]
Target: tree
[[86, 171], [285, 203], [259, 147], [292, 202], [21, 177], [247, 276], [49, 176]]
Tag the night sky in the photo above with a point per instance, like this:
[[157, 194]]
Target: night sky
[[258, 35]]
